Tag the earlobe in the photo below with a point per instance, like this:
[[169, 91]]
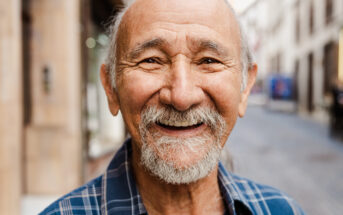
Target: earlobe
[[252, 73], [112, 97], [242, 108]]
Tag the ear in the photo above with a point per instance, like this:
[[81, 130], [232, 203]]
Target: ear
[[112, 96], [244, 95]]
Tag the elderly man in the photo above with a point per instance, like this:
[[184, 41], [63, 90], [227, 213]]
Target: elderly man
[[180, 73]]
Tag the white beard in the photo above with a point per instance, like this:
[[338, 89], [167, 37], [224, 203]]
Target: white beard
[[158, 152]]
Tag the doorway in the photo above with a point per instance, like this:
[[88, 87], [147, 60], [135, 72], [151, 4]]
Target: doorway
[[330, 62]]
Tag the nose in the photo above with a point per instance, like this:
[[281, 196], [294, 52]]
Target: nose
[[183, 89]]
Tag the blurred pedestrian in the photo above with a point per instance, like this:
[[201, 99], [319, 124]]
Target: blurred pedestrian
[[336, 112]]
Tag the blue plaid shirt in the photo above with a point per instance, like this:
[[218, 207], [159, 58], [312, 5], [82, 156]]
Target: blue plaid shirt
[[115, 192]]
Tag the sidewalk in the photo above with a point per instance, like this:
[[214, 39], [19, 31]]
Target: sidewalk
[[32, 205], [291, 153]]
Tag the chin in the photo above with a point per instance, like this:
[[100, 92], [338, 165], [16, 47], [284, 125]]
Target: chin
[[182, 156], [180, 161]]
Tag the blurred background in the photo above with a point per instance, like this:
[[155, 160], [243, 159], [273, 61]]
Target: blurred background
[[56, 132]]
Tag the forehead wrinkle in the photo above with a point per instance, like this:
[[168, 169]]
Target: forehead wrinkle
[[148, 44]]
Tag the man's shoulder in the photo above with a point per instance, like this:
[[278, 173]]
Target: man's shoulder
[[265, 199], [83, 200]]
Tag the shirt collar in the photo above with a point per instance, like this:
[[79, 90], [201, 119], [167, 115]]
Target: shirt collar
[[119, 188], [237, 203]]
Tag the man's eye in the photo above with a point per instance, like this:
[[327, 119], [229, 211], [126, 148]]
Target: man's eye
[[150, 60], [209, 61]]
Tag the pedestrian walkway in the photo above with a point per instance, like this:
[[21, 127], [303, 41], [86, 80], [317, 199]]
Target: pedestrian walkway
[[293, 154]]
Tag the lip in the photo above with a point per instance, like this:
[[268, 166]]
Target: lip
[[184, 132]]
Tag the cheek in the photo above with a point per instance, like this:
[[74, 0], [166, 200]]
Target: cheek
[[135, 91], [224, 91], [138, 88]]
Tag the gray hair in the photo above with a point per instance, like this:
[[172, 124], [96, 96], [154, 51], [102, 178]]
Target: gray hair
[[246, 54]]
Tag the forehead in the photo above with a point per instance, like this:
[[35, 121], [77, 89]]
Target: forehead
[[194, 18]]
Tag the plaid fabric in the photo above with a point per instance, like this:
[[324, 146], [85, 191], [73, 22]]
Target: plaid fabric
[[115, 192]]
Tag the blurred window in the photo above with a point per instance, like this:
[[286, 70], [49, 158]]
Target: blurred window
[[297, 24], [311, 21], [328, 11]]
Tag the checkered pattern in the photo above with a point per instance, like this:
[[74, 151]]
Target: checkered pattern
[[115, 192]]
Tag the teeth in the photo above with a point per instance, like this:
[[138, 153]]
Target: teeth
[[178, 124]]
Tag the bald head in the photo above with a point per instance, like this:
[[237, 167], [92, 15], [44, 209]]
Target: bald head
[[213, 16]]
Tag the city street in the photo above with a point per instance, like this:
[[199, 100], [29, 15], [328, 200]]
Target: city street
[[279, 149], [293, 154]]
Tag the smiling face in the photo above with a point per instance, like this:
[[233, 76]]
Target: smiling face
[[180, 63]]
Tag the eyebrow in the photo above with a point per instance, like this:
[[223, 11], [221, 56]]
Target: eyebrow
[[149, 44], [204, 44], [200, 45]]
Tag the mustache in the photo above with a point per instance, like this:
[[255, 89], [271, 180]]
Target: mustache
[[194, 115]]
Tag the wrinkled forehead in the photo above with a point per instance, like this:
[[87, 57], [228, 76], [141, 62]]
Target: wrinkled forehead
[[213, 16]]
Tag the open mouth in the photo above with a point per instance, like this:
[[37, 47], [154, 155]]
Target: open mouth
[[179, 127]]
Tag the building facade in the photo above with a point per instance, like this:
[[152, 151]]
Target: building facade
[[43, 95], [299, 39]]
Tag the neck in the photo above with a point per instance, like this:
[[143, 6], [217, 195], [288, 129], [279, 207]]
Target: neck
[[200, 197]]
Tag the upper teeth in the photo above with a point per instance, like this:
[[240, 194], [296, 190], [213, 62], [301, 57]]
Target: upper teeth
[[178, 123]]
